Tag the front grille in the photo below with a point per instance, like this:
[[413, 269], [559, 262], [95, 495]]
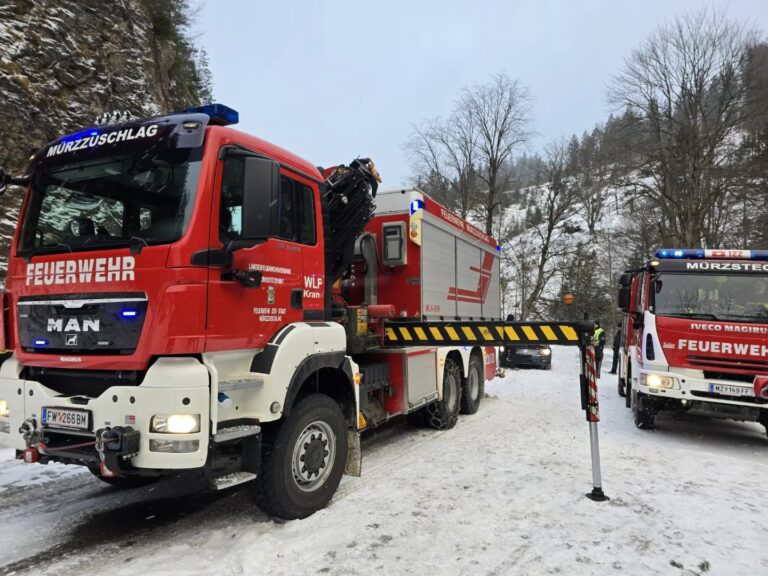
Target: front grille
[[756, 366], [735, 376], [81, 324], [750, 399], [89, 383]]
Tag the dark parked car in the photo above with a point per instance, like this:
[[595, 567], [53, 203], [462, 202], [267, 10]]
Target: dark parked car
[[527, 355]]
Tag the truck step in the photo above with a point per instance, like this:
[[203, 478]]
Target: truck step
[[234, 432], [231, 479]]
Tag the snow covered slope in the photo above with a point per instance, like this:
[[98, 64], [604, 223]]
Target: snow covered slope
[[502, 493]]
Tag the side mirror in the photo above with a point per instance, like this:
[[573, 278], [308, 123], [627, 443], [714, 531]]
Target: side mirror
[[261, 186], [624, 298], [6, 179], [625, 291], [625, 279]]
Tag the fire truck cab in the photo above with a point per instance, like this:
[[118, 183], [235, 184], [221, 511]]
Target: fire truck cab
[[695, 335], [182, 295]]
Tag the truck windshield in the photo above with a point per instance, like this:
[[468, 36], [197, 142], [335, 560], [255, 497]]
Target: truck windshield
[[740, 298], [145, 197]]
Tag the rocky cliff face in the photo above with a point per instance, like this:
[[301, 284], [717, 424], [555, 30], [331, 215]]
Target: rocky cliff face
[[63, 63]]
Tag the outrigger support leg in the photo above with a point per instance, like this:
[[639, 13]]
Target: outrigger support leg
[[590, 405]]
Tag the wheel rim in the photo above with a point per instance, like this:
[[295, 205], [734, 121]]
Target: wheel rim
[[313, 456], [474, 385]]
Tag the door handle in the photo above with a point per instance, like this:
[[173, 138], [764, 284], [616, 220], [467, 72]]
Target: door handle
[[297, 298]]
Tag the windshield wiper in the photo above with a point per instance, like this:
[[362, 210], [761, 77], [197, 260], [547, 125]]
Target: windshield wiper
[[137, 240], [751, 317], [701, 315], [47, 249], [134, 242]]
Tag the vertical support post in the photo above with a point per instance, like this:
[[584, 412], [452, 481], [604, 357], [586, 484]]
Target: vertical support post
[[589, 378]]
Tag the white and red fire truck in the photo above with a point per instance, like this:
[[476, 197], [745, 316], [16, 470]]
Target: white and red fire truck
[[181, 295], [695, 335]]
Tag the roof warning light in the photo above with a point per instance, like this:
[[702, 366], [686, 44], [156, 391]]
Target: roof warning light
[[220, 115]]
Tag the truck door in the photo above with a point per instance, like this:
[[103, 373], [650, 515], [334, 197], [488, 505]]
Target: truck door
[[246, 318]]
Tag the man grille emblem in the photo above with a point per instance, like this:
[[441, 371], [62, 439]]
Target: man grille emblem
[[70, 340]]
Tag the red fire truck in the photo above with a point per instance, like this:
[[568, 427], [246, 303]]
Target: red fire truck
[[181, 295], [696, 335]]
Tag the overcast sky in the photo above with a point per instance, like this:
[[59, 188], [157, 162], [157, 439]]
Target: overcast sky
[[332, 80]]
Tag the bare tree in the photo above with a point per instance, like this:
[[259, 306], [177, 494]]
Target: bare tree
[[442, 153], [683, 89], [592, 199], [558, 204], [501, 113], [463, 159]]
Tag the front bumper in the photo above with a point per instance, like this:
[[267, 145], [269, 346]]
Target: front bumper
[[535, 361], [171, 385], [691, 390]]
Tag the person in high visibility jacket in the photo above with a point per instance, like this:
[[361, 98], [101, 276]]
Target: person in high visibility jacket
[[599, 343]]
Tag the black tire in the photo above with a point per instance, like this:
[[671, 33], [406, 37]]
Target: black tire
[[644, 412], [442, 415], [124, 481], [285, 488], [628, 389], [473, 386], [763, 419]]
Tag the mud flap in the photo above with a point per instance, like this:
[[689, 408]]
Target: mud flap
[[354, 465]]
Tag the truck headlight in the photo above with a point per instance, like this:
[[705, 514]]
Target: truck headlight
[[658, 381], [175, 423], [4, 412]]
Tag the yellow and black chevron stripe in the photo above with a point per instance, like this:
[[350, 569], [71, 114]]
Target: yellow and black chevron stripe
[[480, 333]]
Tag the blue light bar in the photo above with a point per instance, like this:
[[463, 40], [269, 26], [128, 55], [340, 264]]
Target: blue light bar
[[417, 205], [129, 313], [498, 247], [698, 254], [219, 114], [41, 342]]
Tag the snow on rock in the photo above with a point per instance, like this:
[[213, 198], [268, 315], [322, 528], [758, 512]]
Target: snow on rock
[[501, 493], [62, 64]]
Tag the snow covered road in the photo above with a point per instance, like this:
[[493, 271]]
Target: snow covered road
[[501, 493]]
